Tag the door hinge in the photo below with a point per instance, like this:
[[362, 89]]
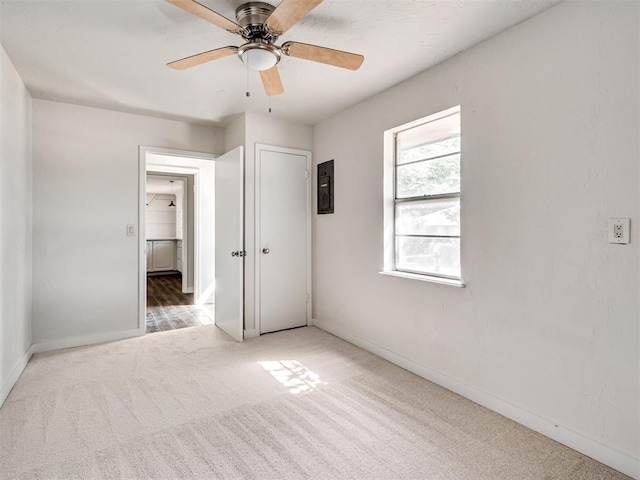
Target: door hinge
[[306, 174], [194, 189]]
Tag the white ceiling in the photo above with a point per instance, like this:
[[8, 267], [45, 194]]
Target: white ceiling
[[112, 53], [162, 185]]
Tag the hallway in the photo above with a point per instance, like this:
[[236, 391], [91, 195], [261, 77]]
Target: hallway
[[169, 309]]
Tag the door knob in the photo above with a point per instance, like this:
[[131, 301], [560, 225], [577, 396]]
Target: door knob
[[265, 250]]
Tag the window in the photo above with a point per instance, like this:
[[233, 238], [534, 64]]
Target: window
[[422, 195]]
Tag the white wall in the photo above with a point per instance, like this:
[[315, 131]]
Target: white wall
[[85, 268], [15, 225], [247, 130], [546, 330], [235, 133], [161, 219]]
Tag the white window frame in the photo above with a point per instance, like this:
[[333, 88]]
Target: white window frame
[[389, 197]]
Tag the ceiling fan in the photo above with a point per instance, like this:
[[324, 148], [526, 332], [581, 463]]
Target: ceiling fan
[[260, 24]]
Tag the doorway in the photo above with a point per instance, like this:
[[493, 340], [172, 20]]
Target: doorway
[[177, 268], [169, 227]]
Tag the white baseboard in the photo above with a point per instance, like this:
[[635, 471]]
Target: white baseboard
[[15, 374], [589, 447], [86, 340], [251, 333]]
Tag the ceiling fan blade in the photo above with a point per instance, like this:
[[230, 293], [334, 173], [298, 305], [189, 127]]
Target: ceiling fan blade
[[271, 81], [207, 14], [288, 13], [203, 57], [337, 58]]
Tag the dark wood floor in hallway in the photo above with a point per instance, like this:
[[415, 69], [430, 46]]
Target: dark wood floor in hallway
[[168, 308]]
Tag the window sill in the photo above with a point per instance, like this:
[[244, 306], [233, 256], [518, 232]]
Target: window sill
[[425, 278]]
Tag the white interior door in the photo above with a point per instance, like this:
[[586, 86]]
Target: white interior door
[[229, 247], [283, 238]]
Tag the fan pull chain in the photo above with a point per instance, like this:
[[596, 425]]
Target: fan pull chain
[[269, 103], [248, 93]]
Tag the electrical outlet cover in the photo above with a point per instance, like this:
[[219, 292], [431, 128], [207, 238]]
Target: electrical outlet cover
[[619, 230]]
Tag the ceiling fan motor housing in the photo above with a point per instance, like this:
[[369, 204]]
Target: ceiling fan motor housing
[[251, 17], [259, 53]]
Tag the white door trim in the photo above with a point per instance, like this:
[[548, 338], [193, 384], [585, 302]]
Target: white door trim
[[259, 147], [143, 151]]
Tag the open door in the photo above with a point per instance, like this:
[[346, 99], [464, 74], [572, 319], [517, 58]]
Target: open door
[[229, 296]]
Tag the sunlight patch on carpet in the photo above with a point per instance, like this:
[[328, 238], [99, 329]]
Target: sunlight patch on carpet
[[293, 375]]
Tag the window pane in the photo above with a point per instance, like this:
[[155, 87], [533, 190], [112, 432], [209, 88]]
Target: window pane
[[430, 150], [440, 256], [431, 177], [429, 217], [429, 140]]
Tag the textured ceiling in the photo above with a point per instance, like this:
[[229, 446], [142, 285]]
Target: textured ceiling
[[112, 54]]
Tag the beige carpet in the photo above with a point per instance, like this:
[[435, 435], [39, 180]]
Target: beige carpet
[[191, 403]]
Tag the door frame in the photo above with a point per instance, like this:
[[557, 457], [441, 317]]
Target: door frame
[[259, 147], [143, 151]]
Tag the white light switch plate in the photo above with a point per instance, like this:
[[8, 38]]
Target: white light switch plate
[[131, 230], [619, 230]]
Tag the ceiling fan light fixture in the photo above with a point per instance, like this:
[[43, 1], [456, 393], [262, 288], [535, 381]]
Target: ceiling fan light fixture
[[259, 56]]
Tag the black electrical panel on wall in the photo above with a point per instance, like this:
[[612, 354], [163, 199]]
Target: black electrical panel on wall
[[325, 187]]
